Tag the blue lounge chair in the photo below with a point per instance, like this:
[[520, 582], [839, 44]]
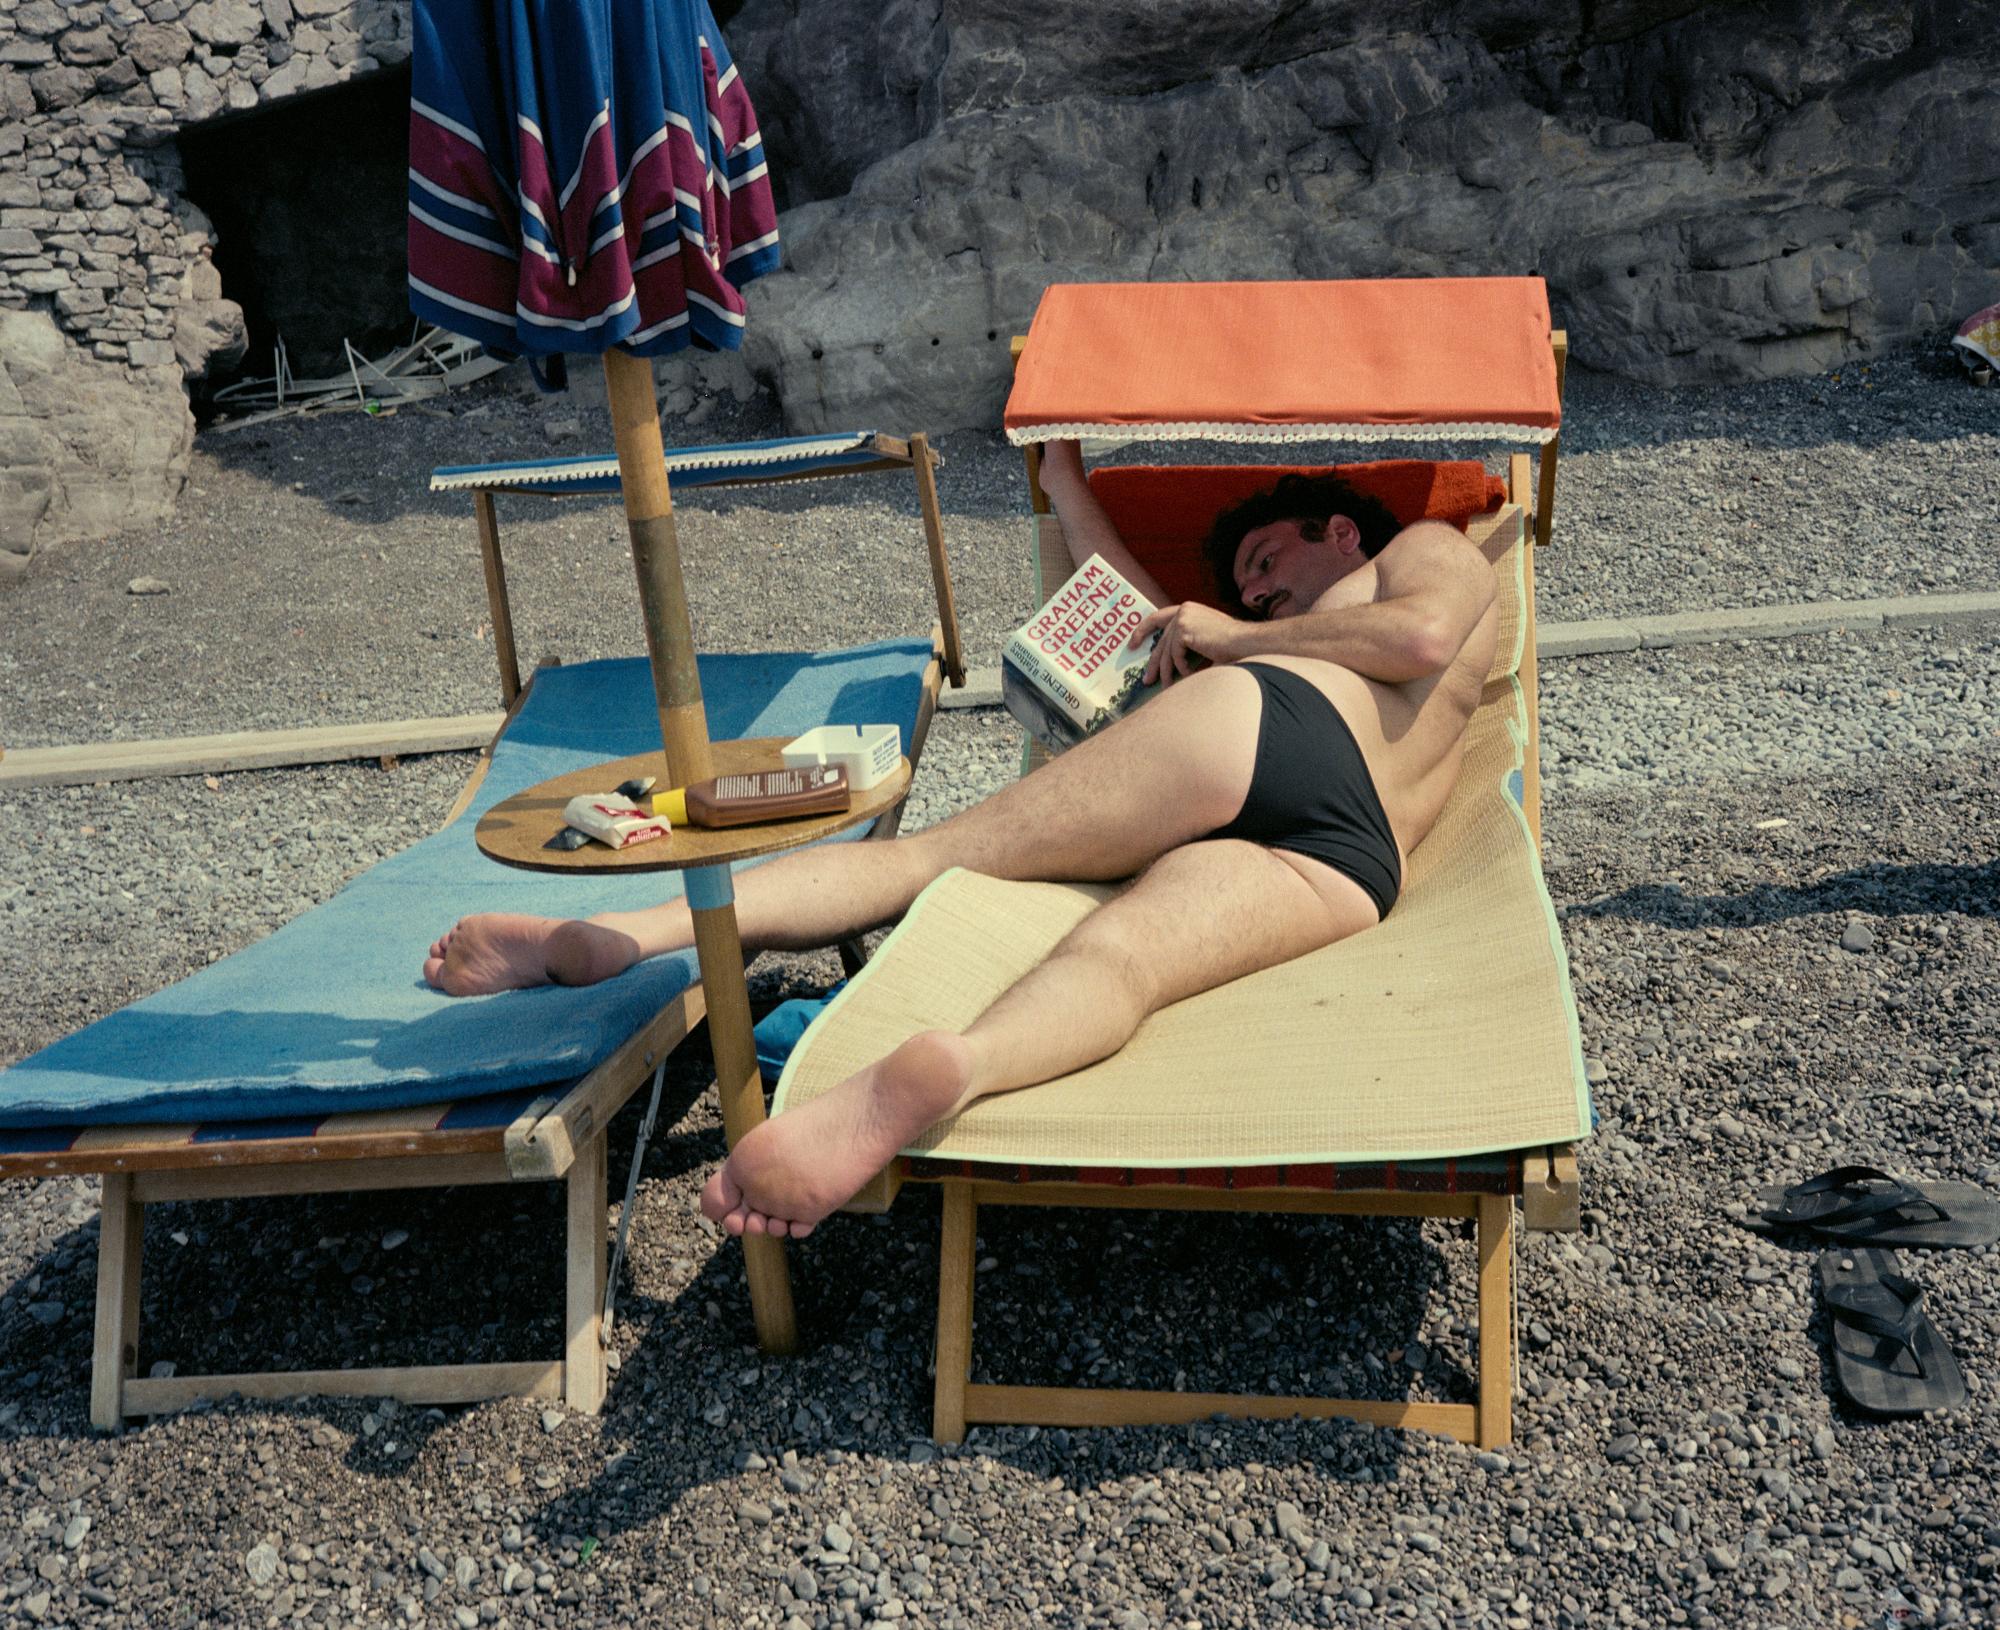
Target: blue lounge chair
[[317, 1060]]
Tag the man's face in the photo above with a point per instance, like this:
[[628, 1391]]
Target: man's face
[[1280, 572]]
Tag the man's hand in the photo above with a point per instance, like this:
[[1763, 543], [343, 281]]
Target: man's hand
[[1191, 636]]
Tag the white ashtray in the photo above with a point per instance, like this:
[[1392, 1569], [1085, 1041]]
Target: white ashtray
[[868, 752]]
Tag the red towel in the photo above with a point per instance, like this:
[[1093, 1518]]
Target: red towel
[[1164, 512]]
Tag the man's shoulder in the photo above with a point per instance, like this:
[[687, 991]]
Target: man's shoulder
[[1427, 547], [1428, 534]]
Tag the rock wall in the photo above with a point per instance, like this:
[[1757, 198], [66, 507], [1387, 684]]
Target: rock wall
[[99, 245], [86, 447], [1714, 193]]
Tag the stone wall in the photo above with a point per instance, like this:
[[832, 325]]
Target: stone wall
[[99, 246]]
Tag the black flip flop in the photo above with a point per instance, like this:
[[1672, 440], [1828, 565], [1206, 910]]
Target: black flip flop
[[1868, 1206], [1887, 1355]]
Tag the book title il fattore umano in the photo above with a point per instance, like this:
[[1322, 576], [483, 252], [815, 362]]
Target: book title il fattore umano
[[1088, 622]]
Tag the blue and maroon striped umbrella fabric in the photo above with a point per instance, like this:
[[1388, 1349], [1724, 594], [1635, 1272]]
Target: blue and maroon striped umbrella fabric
[[583, 174]]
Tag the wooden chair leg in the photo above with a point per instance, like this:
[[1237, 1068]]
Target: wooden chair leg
[[583, 1355], [1545, 501], [1496, 1320], [121, 1237], [957, 1269], [496, 596], [924, 462]]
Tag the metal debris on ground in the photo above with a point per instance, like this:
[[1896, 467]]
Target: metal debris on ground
[[433, 363]]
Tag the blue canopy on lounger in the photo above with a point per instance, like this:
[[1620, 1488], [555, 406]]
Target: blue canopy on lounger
[[331, 1013]]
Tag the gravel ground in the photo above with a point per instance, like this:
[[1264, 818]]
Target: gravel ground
[[1773, 863]]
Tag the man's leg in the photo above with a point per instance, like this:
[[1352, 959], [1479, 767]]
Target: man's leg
[[1166, 775], [1201, 915]]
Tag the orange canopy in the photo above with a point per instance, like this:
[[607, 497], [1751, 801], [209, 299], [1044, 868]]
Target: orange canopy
[[1164, 514], [1362, 360]]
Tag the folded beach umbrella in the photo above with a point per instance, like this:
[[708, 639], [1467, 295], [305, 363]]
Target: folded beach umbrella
[[586, 176], [583, 173]]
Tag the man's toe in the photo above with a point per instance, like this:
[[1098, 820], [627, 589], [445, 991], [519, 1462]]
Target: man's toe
[[723, 1201]]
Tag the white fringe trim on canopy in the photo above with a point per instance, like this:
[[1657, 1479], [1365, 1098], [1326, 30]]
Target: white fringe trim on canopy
[[1457, 430]]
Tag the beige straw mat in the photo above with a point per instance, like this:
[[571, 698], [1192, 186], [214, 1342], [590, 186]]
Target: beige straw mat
[[1449, 1029]]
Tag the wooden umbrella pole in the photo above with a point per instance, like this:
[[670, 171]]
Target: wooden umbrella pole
[[656, 558], [740, 1085]]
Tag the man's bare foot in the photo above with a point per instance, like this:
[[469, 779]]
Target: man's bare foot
[[504, 951], [790, 1172]]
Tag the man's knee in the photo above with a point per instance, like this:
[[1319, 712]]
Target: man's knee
[[1113, 965]]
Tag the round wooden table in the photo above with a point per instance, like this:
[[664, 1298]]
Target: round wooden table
[[515, 831]]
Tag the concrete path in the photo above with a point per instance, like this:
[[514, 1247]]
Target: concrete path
[[1582, 639]]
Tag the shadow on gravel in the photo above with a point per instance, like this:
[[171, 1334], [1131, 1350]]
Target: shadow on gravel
[[1357, 1307], [1369, 1308], [373, 470], [1880, 890]]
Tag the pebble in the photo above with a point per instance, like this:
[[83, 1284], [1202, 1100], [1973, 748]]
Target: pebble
[[552, 1419], [261, 1563], [1857, 937], [148, 585]]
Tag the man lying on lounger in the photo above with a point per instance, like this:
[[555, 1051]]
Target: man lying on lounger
[[1263, 804]]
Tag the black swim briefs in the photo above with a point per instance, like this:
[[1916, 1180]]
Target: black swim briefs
[[1311, 791]]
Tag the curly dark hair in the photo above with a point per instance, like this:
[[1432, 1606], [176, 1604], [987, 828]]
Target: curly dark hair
[[1311, 501]]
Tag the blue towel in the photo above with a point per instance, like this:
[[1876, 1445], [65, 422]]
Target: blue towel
[[331, 1013], [778, 1032]]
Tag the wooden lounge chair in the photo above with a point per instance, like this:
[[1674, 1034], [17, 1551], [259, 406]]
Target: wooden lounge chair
[[1457, 1083], [247, 1079]]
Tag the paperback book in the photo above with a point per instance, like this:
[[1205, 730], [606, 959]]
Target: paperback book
[[1071, 670]]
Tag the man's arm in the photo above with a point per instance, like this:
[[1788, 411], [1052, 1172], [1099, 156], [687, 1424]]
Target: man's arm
[[1432, 587], [1087, 530]]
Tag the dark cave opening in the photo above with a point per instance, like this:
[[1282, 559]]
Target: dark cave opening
[[308, 200]]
